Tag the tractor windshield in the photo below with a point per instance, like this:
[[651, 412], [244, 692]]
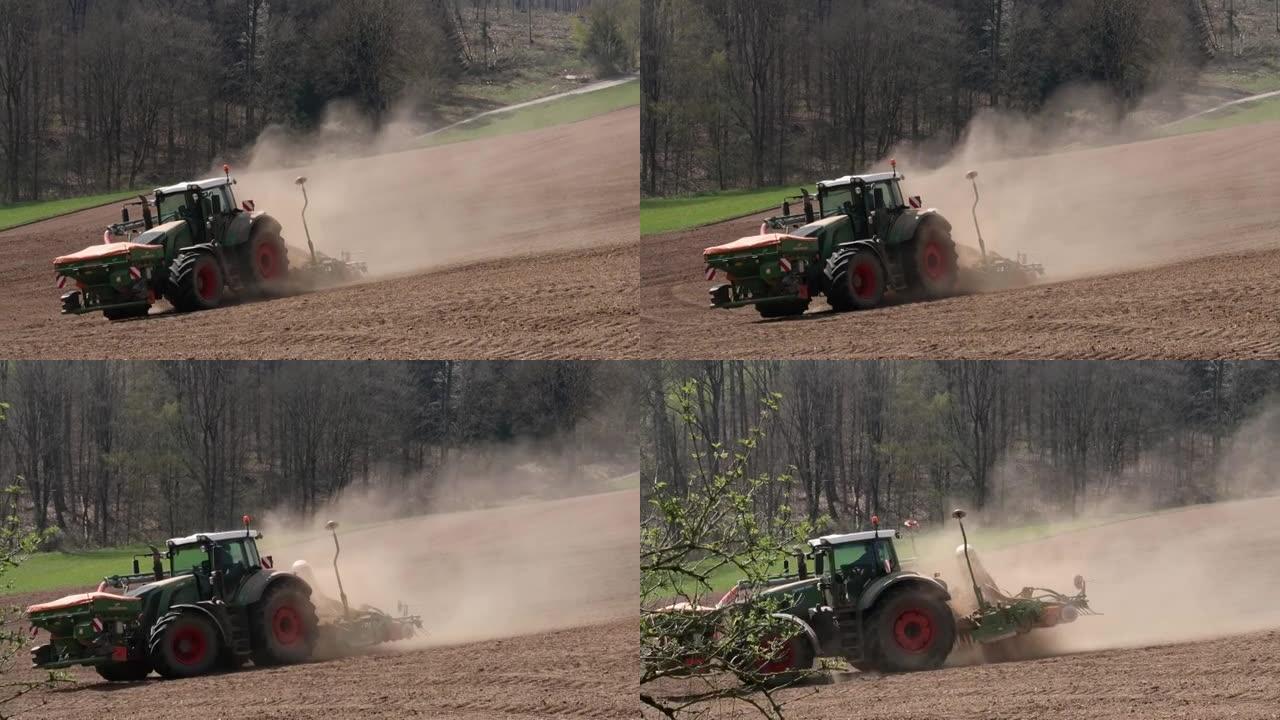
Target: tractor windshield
[[884, 194], [168, 207], [188, 558]]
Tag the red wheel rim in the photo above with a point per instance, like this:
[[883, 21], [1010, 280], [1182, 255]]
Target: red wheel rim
[[913, 631], [863, 277], [207, 285], [268, 260], [286, 625], [935, 261], [189, 645], [784, 657]]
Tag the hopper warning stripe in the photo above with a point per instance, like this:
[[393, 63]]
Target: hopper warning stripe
[[785, 264], [711, 274]]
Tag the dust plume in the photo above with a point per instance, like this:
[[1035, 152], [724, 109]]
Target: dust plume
[[1189, 573], [379, 196], [1073, 187], [532, 553]]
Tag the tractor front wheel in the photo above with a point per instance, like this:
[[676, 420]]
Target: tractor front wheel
[[285, 627], [126, 313], [911, 630], [184, 643], [196, 281], [788, 662], [782, 308], [855, 281], [131, 671]]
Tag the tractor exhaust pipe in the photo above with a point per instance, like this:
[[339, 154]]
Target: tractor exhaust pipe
[[959, 515], [337, 550], [302, 183], [972, 176]]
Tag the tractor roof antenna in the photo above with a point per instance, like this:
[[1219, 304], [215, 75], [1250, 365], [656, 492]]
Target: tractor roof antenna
[[959, 514], [302, 183], [972, 176], [332, 527]]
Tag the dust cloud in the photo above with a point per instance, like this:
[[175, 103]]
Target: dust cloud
[[1076, 188], [521, 563], [1185, 574], [380, 198]]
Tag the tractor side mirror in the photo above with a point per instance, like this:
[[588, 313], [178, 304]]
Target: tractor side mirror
[[786, 567], [1079, 582], [971, 175], [136, 570], [786, 207], [958, 514], [124, 214], [818, 562]]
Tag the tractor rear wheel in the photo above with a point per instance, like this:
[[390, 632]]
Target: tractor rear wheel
[[196, 281], [284, 627], [782, 308], [265, 262], [855, 280], [911, 630], [184, 643], [934, 265], [131, 671]]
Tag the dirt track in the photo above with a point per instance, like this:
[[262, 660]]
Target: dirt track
[[1164, 584], [520, 246], [545, 592], [1160, 249]]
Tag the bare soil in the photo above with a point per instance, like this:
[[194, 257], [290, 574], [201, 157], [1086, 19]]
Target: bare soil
[[532, 616], [521, 246], [1167, 248], [1188, 628]]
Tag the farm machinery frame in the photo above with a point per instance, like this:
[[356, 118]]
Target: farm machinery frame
[[850, 597], [197, 250], [210, 601], [857, 238]]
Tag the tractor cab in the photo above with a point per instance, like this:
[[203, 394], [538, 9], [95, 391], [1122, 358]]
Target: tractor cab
[[873, 202], [206, 205], [220, 561], [853, 560]]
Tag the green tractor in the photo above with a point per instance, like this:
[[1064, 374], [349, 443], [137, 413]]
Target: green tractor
[[216, 605], [856, 239], [198, 249], [851, 597]]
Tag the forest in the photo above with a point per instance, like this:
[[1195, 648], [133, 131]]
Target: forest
[[104, 95], [1023, 441], [753, 93], [112, 452]]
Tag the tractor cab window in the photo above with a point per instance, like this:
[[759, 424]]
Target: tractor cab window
[[189, 558], [885, 195], [226, 203], [170, 207], [855, 555], [833, 199], [887, 551]]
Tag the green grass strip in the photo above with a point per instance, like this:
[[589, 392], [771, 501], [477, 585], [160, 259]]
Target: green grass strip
[[543, 115], [662, 215], [29, 212]]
